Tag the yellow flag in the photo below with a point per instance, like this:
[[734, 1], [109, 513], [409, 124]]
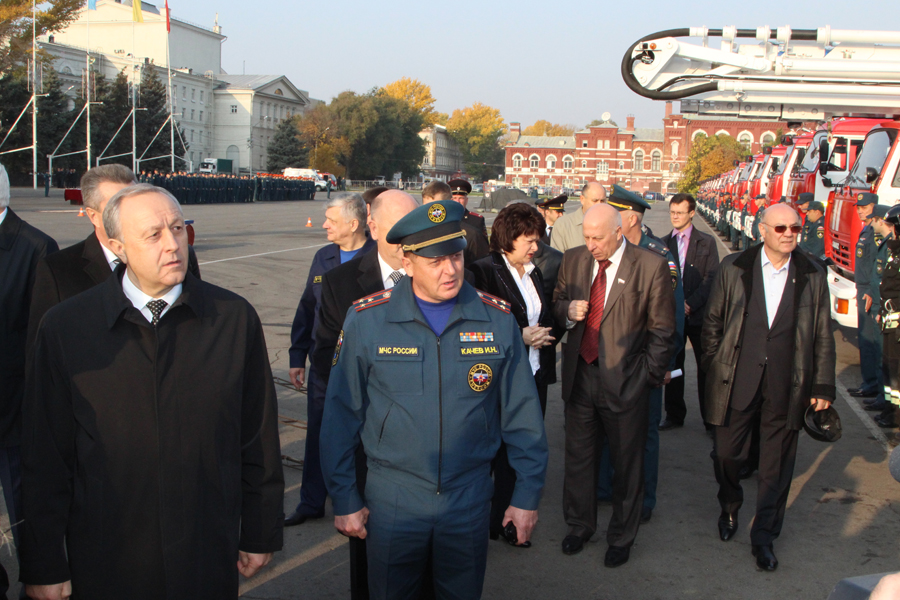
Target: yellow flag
[[136, 10]]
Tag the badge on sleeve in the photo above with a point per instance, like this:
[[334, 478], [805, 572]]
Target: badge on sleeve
[[820, 233], [480, 377], [859, 251], [337, 348]]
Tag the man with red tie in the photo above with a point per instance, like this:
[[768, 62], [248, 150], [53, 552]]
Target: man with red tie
[[617, 302]]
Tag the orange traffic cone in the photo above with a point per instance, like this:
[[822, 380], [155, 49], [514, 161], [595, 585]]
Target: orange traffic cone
[[309, 222], [81, 212]]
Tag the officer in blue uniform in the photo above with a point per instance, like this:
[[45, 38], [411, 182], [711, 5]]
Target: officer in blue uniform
[[430, 376], [884, 231], [812, 238], [624, 200], [868, 333]]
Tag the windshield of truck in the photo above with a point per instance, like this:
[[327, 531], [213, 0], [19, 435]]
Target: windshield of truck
[[757, 170], [874, 153], [811, 159], [801, 154], [745, 174], [786, 160]]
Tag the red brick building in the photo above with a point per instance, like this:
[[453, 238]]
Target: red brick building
[[639, 159]]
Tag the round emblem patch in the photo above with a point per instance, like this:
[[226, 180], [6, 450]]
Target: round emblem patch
[[859, 197], [859, 252], [437, 213], [480, 377]]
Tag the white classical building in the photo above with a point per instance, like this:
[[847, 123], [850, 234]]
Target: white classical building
[[220, 115]]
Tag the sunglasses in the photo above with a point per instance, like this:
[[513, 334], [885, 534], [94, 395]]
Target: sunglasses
[[779, 229]]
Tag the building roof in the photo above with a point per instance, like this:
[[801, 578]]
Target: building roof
[[695, 117], [246, 82], [647, 134], [545, 141]]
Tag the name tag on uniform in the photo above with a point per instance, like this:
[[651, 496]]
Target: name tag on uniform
[[398, 351], [479, 351]]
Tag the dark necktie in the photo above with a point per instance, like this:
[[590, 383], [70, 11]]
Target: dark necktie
[[591, 337], [396, 276], [156, 307]]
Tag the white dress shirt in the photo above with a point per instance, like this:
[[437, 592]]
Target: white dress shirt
[[139, 299], [386, 271], [3, 216], [111, 259], [774, 281], [611, 271], [532, 306]]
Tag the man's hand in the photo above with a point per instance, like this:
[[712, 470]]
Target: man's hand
[[578, 310], [687, 309], [353, 525], [57, 591], [868, 299], [250, 564], [524, 520], [821, 403], [667, 378], [297, 377], [537, 336]]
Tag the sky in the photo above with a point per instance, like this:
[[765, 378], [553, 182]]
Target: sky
[[557, 60]]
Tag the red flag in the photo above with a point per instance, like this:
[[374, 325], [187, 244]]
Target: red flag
[[168, 21]]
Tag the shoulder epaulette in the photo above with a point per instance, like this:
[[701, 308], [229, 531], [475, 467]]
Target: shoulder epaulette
[[658, 248], [494, 301], [373, 300]]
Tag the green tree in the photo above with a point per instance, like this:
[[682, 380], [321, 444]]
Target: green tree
[[286, 148], [14, 95], [709, 156], [106, 118], [16, 27], [54, 119], [477, 130]]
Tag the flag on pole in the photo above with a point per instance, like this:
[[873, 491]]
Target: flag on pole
[[136, 11], [168, 21], [92, 4]]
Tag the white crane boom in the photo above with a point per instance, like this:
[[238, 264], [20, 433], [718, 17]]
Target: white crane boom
[[803, 74]]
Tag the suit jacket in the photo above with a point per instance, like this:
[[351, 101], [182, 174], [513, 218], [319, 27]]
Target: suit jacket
[[698, 272], [493, 276], [637, 334], [306, 318], [567, 231], [151, 454], [548, 259], [21, 248], [71, 271], [477, 246]]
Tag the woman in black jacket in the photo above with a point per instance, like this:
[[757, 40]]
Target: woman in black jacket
[[508, 273]]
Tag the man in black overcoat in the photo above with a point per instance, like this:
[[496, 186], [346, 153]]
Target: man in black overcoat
[[151, 457]]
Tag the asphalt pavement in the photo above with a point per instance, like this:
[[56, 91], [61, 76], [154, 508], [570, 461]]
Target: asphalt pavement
[[843, 516]]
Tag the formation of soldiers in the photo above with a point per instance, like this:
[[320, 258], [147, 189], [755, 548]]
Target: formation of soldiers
[[208, 188]]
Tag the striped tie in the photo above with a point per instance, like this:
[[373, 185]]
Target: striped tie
[[591, 338]]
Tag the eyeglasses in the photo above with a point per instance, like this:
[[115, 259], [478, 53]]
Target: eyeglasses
[[679, 214], [780, 229]]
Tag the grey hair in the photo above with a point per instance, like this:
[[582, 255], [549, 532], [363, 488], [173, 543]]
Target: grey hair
[[111, 217], [352, 207], [91, 180], [4, 188]]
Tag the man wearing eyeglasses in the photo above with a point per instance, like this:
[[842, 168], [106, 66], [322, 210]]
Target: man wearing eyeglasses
[[783, 365]]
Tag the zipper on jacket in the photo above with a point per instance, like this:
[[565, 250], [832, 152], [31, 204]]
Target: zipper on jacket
[[440, 417]]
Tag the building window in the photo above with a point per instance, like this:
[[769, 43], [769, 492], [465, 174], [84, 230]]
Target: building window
[[603, 169], [621, 165], [551, 162], [192, 135], [584, 164], [183, 112], [621, 145], [193, 94], [201, 96], [567, 162], [696, 133], [201, 136], [517, 161], [745, 138], [584, 144], [551, 181], [192, 114], [201, 116], [673, 167], [534, 181], [767, 139], [674, 149], [233, 108], [599, 144], [639, 160], [656, 160], [535, 161], [184, 92]]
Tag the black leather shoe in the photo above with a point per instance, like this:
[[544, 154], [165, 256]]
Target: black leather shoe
[[887, 422], [877, 406], [298, 518], [646, 515], [861, 393], [728, 524], [765, 557], [616, 556], [852, 390], [670, 424], [572, 544], [869, 401]]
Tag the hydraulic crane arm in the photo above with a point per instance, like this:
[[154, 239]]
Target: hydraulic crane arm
[[787, 74]]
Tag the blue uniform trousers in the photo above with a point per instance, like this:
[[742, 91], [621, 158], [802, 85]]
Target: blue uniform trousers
[[870, 339], [651, 457], [409, 525], [312, 488]]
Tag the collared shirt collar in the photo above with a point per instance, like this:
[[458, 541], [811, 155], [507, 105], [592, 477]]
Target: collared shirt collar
[[139, 299], [767, 262], [386, 271], [686, 233], [111, 259], [616, 257], [404, 308], [528, 268], [3, 215]]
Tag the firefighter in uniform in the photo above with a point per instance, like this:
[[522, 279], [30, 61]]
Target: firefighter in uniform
[[623, 200], [460, 190], [747, 221], [868, 333], [812, 238], [429, 376], [884, 229], [890, 307]]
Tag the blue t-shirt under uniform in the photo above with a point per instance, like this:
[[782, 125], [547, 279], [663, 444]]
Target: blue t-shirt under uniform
[[436, 313], [348, 255]]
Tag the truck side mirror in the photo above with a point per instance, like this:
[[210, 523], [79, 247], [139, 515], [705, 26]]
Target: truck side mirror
[[871, 174], [824, 165]]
